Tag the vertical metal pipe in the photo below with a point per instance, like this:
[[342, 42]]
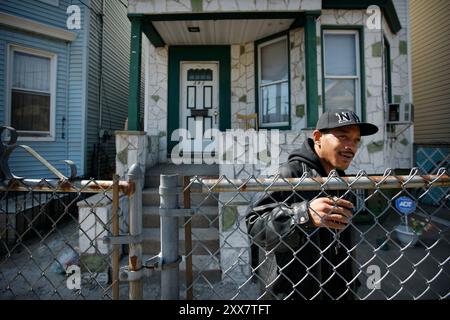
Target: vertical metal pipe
[[169, 238], [188, 239], [135, 209], [115, 232]]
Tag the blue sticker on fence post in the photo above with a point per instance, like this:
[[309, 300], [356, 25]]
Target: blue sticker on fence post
[[405, 205]]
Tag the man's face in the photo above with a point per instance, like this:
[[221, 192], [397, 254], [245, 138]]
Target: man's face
[[337, 147]]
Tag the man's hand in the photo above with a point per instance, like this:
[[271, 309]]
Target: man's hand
[[332, 213]]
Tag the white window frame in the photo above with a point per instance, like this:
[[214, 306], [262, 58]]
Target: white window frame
[[260, 113], [39, 135], [358, 109]]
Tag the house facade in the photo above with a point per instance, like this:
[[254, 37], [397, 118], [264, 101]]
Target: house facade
[[64, 82], [286, 61]]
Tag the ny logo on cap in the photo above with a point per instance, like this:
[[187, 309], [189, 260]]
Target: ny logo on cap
[[347, 117]]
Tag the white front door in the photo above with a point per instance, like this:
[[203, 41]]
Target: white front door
[[199, 104]]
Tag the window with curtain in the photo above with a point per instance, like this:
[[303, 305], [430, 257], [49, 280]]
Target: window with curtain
[[31, 92], [341, 70], [273, 83]]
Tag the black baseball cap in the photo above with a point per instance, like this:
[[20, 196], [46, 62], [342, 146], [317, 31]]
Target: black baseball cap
[[343, 117]]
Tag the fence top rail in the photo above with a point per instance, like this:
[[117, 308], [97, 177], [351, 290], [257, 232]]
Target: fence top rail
[[304, 183], [76, 186]]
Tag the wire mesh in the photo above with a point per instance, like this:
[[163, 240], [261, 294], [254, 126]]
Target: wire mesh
[[242, 250], [51, 240]]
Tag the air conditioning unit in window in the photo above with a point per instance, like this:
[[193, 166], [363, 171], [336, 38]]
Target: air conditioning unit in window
[[400, 113]]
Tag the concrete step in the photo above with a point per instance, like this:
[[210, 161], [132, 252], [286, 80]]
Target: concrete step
[[150, 197], [206, 217], [204, 241]]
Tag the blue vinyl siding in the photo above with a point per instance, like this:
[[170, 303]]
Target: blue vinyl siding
[[70, 79], [78, 80], [54, 151], [38, 11]]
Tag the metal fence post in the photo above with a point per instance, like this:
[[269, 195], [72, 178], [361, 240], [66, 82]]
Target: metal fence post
[[115, 257], [168, 192], [135, 252], [188, 239]]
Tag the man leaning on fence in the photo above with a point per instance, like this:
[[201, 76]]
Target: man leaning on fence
[[306, 235]]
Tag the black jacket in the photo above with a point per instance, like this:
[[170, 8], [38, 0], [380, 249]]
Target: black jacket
[[304, 256]]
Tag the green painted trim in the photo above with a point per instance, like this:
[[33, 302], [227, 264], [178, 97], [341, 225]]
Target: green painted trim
[[256, 43], [377, 49], [312, 111], [386, 6], [403, 47], [300, 21], [135, 75], [362, 63], [375, 146], [300, 110], [197, 5], [152, 34], [198, 53], [389, 69]]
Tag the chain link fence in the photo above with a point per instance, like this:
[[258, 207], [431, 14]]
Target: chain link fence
[[66, 238], [53, 238], [231, 239], [393, 247]]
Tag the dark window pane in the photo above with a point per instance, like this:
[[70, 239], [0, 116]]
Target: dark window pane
[[199, 75], [30, 111]]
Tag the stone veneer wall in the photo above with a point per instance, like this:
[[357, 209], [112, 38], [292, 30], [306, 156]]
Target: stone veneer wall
[[242, 81], [156, 99], [377, 152], [401, 149]]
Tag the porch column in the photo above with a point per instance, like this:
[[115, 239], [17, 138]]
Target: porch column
[[131, 148], [135, 74], [311, 70]]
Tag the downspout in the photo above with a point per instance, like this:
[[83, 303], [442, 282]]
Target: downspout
[[100, 87], [85, 90], [65, 133], [410, 86]]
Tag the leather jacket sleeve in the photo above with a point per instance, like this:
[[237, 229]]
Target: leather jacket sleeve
[[279, 221], [277, 225]]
